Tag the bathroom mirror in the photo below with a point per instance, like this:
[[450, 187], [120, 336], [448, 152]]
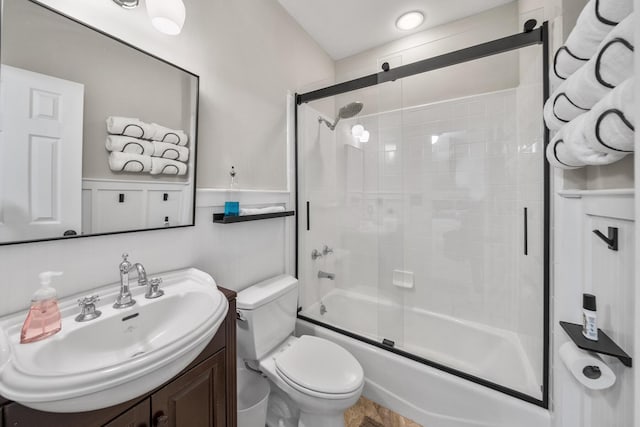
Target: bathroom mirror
[[96, 136]]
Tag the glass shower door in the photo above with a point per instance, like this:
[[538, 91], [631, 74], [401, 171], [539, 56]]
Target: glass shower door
[[431, 202]]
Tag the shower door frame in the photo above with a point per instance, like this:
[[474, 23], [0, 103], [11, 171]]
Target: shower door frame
[[538, 36]]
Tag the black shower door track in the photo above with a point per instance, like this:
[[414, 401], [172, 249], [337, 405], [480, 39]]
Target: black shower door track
[[538, 36]]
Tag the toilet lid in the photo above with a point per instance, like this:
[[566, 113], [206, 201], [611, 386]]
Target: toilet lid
[[320, 365]]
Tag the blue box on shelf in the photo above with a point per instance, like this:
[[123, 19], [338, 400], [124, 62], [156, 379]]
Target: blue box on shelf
[[231, 208]]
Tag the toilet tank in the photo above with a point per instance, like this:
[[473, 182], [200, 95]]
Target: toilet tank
[[266, 315]]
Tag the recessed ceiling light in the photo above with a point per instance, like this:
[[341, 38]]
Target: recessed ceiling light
[[410, 20]]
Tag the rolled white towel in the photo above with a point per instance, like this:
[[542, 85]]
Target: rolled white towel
[[167, 167], [259, 211], [127, 162], [612, 65], [596, 20], [170, 136], [580, 149], [558, 153], [129, 144], [129, 126], [170, 151], [609, 126]]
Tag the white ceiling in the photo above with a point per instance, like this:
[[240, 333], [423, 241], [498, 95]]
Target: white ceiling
[[346, 27]]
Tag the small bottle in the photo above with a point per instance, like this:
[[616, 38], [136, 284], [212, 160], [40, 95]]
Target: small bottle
[[232, 206], [43, 319], [589, 324], [166, 221]]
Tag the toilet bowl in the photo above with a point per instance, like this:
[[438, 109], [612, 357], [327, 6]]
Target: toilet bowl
[[318, 376]]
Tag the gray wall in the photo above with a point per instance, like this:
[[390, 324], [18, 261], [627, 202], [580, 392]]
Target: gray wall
[[247, 53], [118, 80]]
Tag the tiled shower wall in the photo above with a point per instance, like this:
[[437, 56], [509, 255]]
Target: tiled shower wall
[[441, 190]]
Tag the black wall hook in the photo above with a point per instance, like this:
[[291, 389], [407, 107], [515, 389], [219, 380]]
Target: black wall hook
[[611, 240]]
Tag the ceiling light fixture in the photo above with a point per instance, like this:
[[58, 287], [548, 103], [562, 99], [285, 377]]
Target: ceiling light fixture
[[167, 16], [410, 20], [127, 4]]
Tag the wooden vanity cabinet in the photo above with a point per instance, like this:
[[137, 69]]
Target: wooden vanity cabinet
[[202, 395]]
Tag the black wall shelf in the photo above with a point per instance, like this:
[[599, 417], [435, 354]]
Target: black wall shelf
[[219, 218], [604, 345]]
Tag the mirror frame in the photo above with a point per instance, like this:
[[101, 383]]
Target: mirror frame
[[195, 136]]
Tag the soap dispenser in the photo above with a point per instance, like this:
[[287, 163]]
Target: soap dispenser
[[43, 319], [231, 205]]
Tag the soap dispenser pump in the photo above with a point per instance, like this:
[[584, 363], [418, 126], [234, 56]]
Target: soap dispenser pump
[[43, 319]]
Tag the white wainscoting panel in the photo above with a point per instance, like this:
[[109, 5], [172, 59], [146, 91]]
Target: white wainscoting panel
[[584, 263]]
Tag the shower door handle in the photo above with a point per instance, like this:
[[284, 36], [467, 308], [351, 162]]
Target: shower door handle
[[526, 233]]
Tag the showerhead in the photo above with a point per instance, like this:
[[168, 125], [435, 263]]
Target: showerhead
[[346, 112], [350, 110]]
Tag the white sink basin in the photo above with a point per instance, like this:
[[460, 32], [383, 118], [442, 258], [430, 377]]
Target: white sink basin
[[120, 355]]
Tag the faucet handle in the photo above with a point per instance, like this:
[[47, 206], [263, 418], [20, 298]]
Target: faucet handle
[[88, 308], [125, 265], [153, 288], [327, 250], [82, 302]]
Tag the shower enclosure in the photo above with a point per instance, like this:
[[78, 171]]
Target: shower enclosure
[[422, 195]]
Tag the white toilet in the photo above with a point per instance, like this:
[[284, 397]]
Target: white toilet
[[319, 377]]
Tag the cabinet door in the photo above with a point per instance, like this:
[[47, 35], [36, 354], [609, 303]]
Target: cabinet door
[[138, 416], [119, 210], [195, 399], [164, 204]]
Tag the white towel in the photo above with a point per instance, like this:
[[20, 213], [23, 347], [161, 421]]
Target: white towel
[[579, 150], [171, 136], [128, 144], [558, 153], [259, 211], [127, 162], [129, 126], [167, 167], [612, 65], [596, 20], [609, 126], [170, 151]]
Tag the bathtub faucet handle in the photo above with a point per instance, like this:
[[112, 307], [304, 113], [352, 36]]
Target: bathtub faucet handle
[[327, 250], [315, 254]]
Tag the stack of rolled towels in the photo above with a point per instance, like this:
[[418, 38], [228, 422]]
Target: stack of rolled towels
[[136, 146], [591, 109]]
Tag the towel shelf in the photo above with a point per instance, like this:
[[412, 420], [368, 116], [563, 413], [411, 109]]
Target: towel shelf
[[219, 218], [604, 345]]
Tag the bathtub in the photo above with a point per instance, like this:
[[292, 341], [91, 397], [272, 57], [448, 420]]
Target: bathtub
[[422, 393]]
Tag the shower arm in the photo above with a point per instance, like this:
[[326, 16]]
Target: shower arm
[[331, 126]]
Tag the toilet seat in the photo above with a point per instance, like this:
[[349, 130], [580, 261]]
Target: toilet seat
[[320, 368]]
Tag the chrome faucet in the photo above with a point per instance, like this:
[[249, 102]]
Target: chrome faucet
[[125, 299], [325, 275], [142, 274]]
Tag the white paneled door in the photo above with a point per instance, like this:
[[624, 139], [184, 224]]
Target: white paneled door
[[40, 155]]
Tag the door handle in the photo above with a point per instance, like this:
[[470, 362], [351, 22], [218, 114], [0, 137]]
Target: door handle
[[161, 421], [525, 231]]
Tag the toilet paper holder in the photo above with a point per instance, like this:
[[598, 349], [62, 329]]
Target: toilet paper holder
[[604, 345]]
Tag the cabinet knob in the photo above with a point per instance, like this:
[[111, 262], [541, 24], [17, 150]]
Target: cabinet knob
[[161, 421]]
